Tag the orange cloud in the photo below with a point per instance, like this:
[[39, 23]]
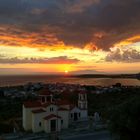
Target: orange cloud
[[91, 47], [53, 60], [129, 41], [12, 36]]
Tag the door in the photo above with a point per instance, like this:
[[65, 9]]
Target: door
[[75, 117], [53, 125]]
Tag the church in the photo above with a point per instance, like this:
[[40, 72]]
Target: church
[[48, 115]]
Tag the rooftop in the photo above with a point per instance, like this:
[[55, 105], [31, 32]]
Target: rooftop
[[32, 104], [63, 102], [52, 116], [48, 104], [38, 111]]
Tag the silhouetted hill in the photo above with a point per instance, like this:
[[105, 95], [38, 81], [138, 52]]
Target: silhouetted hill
[[108, 76]]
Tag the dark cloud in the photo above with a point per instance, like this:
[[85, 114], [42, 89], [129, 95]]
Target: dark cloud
[[129, 55], [101, 23], [53, 60]]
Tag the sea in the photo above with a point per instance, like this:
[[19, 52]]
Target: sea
[[21, 80]]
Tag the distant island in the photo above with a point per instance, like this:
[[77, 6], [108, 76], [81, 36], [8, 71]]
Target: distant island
[[133, 76]]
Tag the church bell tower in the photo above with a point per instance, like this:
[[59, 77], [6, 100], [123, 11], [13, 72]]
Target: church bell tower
[[82, 100]]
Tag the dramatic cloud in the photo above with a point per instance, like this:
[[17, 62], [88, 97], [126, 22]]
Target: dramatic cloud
[[119, 55], [98, 24], [78, 6], [53, 60], [12, 36]]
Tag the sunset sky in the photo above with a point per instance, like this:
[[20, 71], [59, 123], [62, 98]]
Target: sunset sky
[[75, 36]]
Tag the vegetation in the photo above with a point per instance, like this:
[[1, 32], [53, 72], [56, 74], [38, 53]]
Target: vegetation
[[12, 108], [5, 127], [121, 109], [11, 111], [125, 119]]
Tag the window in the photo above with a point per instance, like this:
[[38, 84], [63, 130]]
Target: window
[[79, 115], [43, 99], [80, 105], [51, 109], [84, 105], [48, 98], [40, 124], [71, 115], [85, 96], [79, 97], [61, 121]]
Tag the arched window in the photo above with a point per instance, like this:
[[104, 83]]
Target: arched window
[[51, 109], [40, 124], [85, 96], [43, 99], [79, 114]]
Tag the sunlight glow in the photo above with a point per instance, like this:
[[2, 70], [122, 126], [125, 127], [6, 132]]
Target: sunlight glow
[[66, 71]]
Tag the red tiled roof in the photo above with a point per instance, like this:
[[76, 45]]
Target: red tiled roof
[[62, 109], [38, 110], [63, 102], [48, 104], [31, 104], [52, 116]]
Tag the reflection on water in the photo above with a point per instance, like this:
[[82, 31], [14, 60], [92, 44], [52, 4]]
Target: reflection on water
[[19, 80]]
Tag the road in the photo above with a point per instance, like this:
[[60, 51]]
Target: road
[[92, 136]]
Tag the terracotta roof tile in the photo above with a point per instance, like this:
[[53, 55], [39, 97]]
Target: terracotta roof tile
[[32, 104], [63, 102], [52, 116], [38, 110], [48, 104]]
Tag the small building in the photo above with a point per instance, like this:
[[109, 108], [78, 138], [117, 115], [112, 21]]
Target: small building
[[49, 115]]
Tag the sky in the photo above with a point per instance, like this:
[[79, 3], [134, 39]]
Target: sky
[[69, 36]]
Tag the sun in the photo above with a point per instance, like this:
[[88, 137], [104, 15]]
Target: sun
[[66, 71]]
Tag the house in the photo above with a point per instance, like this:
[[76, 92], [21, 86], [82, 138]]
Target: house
[[49, 115]]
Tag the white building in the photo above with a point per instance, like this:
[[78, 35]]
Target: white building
[[50, 116]]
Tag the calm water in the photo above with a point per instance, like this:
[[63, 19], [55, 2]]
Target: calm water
[[20, 80]]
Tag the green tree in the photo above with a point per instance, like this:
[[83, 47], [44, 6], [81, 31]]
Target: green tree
[[125, 119]]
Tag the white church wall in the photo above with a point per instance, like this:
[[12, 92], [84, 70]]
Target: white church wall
[[51, 109], [84, 114], [46, 126], [71, 115], [27, 118], [37, 122], [64, 119]]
